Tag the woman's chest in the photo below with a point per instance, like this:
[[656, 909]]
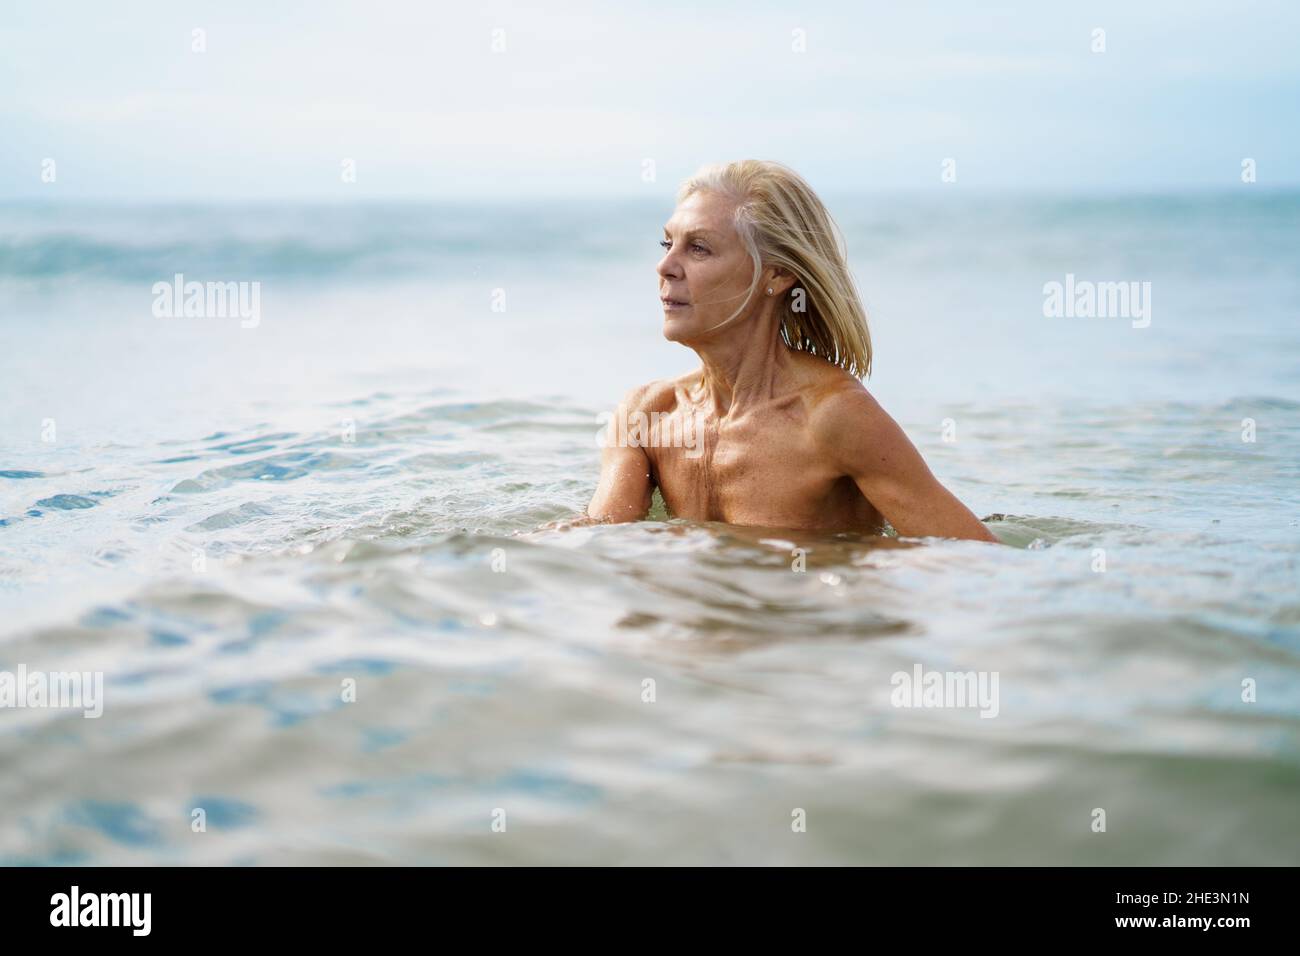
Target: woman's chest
[[755, 477]]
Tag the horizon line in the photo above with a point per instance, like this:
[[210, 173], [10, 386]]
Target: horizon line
[[955, 191]]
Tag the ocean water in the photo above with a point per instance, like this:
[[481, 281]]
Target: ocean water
[[304, 553]]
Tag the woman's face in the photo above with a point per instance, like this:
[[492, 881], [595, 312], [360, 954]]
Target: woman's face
[[705, 273]]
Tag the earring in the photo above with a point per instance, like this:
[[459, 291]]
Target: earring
[[769, 290]]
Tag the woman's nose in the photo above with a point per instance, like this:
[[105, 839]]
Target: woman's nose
[[668, 267]]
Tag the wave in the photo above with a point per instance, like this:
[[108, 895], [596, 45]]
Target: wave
[[149, 243]]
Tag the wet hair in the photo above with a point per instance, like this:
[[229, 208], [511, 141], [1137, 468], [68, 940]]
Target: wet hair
[[783, 223]]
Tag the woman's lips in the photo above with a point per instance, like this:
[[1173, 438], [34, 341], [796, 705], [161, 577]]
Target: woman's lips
[[672, 305]]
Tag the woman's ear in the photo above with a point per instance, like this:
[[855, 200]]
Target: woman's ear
[[779, 280]]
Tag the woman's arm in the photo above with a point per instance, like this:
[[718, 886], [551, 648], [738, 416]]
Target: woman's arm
[[625, 488], [875, 452]]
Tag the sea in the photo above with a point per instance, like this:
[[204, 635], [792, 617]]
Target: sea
[[288, 534]]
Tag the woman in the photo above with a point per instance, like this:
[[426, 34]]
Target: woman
[[775, 428]]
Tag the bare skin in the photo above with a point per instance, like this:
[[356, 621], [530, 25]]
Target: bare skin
[[772, 436]]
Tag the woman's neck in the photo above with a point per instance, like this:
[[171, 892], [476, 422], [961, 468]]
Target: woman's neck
[[747, 365]]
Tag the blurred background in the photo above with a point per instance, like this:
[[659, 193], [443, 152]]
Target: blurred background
[[450, 218]]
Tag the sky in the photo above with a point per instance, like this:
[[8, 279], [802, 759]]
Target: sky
[[492, 100]]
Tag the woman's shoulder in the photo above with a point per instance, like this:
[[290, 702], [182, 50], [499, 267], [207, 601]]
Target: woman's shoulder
[[839, 401], [659, 395], [826, 385]]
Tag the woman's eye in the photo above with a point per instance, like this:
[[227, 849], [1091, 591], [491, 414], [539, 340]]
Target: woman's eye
[[695, 246]]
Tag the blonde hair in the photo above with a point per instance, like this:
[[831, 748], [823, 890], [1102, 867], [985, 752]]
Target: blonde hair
[[782, 223]]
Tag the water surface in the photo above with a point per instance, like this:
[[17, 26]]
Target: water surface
[[234, 525]]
